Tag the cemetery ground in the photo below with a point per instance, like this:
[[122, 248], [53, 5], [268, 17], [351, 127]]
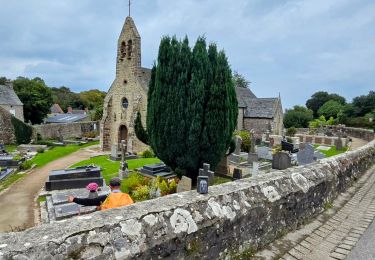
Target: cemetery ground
[[18, 201]]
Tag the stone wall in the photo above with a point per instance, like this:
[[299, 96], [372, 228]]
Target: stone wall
[[323, 140], [69, 130], [364, 134], [233, 217], [17, 110], [7, 135]]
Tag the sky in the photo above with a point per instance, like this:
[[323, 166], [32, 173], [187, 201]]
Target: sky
[[291, 47]]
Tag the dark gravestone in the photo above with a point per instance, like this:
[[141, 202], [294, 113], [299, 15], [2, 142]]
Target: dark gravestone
[[2, 149], [206, 172], [258, 141], [158, 169], [338, 144], [75, 178], [289, 147], [281, 161], [237, 174]]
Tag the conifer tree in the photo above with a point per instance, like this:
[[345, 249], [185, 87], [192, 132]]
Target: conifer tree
[[192, 106]]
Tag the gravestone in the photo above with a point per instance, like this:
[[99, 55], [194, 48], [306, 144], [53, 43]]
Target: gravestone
[[264, 152], [130, 145], [289, 147], [78, 177], [306, 156], [206, 172], [255, 168], [5, 172], [258, 141], [114, 152], [237, 174], [202, 184], [123, 172], [318, 155], [281, 161], [2, 149], [184, 184], [338, 144], [238, 145], [252, 156], [222, 167], [157, 169]]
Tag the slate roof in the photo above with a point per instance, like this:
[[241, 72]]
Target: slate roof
[[256, 107], [9, 97], [244, 94], [66, 118]]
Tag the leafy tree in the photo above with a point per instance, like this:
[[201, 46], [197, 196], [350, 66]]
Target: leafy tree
[[240, 81], [97, 114], [192, 106], [330, 109], [364, 104], [3, 80], [321, 121], [65, 98], [298, 117], [35, 96], [92, 98], [246, 139], [319, 98]]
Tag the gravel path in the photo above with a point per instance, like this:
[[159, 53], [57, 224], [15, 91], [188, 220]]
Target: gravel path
[[17, 203]]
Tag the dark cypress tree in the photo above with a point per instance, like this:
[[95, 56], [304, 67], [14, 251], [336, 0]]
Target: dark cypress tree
[[192, 106]]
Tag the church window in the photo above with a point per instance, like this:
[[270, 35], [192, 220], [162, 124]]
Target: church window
[[130, 49], [122, 51], [125, 103]]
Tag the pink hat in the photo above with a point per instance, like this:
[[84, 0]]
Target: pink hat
[[92, 186]]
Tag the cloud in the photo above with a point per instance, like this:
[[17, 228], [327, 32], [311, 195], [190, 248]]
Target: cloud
[[289, 46]]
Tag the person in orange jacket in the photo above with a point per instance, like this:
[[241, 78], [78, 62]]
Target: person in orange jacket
[[113, 200]]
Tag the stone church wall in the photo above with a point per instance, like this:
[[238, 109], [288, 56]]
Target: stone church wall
[[233, 217], [69, 130], [260, 125], [7, 135]]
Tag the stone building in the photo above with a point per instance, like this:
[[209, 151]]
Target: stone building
[[259, 114], [127, 94], [10, 101]]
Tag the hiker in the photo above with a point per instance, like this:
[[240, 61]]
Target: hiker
[[113, 200]]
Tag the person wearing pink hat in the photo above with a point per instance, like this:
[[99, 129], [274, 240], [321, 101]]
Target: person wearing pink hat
[[93, 190]]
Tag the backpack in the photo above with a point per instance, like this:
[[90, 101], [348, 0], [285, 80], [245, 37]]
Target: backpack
[[115, 200]]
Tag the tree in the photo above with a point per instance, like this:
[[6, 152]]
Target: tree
[[65, 98], [298, 117], [364, 104], [92, 98], [3, 80], [319, 98], [192, 106], [36, 98], [240, 81], [330, 109]]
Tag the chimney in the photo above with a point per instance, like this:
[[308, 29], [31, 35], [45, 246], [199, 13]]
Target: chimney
[[9, 84], [70, 110]]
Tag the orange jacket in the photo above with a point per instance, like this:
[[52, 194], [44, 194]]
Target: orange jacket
[[115, 200]]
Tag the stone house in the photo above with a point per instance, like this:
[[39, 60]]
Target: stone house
[[259, 114], [10, 101], [127, 94]]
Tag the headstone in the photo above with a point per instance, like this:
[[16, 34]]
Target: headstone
[[338, 144], [184, 184], [306, 156], [202, 184], [238, 145], [252, 157], [2, 149], [252, 143], [289, 147], [237, 174], [157, 169], [264, 152], [222, 167], [281, 161], [206, 172], [123, 172], [258, 141], [114, 152], [255, 169]]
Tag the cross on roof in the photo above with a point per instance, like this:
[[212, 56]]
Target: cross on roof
[[129, 6]]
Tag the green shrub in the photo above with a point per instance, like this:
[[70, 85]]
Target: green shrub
[[26, 165], [246, 141], [133, 181], [141, 193], [289, 139], [17, 157], [91, 134], [148, 153], [22, 131], [40, 150], [291, 131]]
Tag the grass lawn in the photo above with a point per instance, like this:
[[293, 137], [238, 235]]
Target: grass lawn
[[332, 151], [110, 168], [220, 180], [54, 153], [10, 147]]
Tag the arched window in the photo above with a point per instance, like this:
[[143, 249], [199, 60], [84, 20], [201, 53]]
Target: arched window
[[122, 51], [130, 49], [125, 103]]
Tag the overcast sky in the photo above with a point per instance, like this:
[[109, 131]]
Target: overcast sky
[[289, 46]]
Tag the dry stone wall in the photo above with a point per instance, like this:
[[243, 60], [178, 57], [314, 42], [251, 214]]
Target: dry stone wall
[[233, 217], [7, 135], [68, 130]]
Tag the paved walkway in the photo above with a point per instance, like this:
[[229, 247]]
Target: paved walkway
[[17, 203]]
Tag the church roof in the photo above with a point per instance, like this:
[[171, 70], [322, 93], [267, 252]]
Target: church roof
[[130, 25], [144, 76], [9, 97], [243, 94], [261, 107]]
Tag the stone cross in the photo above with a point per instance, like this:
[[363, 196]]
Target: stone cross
[[123, 172], [206, 172], [253, 141], [238, 145]]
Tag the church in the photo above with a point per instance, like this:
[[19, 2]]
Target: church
[[128, 95]]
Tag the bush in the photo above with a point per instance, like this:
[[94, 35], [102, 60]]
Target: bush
[[23, 132], [26, 165], [133, 181], [246, 141], [141, 193], [148, 153], [289, 139], [91, 134], [40, 150], [291, 131]]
